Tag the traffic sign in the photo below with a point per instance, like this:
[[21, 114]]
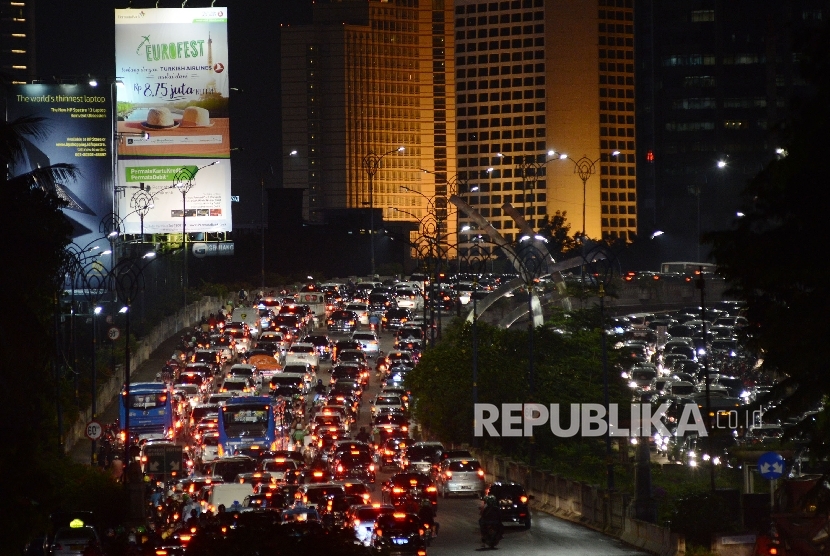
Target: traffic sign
[[164, 459], [113, 333], [771, 465], [94, 430]]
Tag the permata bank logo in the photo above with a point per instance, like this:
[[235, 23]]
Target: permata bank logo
[[213, 13]]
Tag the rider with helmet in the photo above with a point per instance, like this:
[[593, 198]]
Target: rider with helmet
[[490, 517]]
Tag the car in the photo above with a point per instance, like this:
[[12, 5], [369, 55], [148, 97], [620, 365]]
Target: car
[[312, 494], [280, 467], [369, 342], [460, 476], [379, 303], [362, 519], [394, 319], [353, 464], [513, 502], [384, 400], [398, 533], [241, 370], [361, 311], [323, 344], [75, 541], [303, 353], [421, 456], [239, 386], [408, 298], [410, 485]]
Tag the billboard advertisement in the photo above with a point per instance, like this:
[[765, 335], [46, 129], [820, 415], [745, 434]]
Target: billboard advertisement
[[172, 67], [77, 129]]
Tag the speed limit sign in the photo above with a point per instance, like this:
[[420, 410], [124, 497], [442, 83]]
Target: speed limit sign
[[113, 333], [94, 430]]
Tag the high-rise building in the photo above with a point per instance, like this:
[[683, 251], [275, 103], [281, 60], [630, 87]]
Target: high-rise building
[[545, 98], [715, 79], [366, 78], [17, 40]]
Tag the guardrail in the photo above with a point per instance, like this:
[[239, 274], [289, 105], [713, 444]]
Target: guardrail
[[594, 507], [184, 318]]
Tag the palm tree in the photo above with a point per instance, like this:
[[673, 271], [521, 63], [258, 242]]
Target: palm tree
[[13, 136]]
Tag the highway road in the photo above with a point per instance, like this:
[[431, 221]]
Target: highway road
[[458, 517]]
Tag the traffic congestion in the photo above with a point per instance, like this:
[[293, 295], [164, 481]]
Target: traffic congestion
[[288, 416]]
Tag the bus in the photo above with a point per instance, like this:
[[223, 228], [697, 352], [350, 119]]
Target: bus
[[245, 421], [687, 267], [150, 409]]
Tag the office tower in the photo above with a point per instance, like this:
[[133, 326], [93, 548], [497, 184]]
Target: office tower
[[370, 76], [534, 76], [17, 33], [715, 80]]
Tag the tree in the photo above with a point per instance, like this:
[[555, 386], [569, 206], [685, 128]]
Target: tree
[[774, 256], [560, 243], [36, 233]]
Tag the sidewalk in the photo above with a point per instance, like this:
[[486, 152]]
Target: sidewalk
[[81, 452]]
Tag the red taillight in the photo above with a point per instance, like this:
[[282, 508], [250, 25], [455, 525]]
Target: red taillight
[[481, 473], [397, 490], [523, 499], [773, 550], [448, 475], [339, 468]]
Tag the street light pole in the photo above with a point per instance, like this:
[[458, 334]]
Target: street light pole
[[371, 163], [184, 182]]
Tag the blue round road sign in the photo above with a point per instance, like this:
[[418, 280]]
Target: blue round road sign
[[771, 465]]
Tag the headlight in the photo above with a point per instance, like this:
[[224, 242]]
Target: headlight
[[632, 384]]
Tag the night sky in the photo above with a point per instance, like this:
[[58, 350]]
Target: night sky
[[78, 38]]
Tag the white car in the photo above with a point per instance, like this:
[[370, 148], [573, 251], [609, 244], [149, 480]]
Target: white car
[[241, 337], [369, 342], [361, 310], [409, 299], [303, 353]]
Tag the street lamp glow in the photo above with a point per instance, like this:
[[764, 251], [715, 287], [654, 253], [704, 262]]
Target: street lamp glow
[[123, 309], [93, 82], [524, 238], [107, 252], [474, 188], [658, 233], [500, 155], [562, 156], [113, 234], [149, 254], [721, 164], [781, 151], [540, 238], [293, 153], [98, 310], [551, 153], [490, 169], [615, 153], [466, 228], [739, 214]]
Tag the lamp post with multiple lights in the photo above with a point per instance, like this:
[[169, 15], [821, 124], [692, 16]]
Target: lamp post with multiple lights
[[184, 182], [371, 163]]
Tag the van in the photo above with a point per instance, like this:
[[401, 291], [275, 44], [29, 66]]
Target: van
[[316, 302], [249, 316], [226, 494]]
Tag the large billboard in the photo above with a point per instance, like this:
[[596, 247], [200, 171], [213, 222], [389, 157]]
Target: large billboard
[[77, 129], [172, 68]]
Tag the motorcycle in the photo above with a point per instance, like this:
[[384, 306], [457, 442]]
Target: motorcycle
[[491, 534]]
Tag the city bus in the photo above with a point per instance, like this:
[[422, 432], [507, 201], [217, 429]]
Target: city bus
[[150, 409], [246, 421]]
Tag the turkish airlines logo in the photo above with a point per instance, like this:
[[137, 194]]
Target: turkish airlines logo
[[218, 67]]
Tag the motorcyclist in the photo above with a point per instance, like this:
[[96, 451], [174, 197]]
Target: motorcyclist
[[427, 517], [490, 517], [363, 435]]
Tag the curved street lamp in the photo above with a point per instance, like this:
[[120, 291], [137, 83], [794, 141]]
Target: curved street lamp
[[371, 163], [184, 182]]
